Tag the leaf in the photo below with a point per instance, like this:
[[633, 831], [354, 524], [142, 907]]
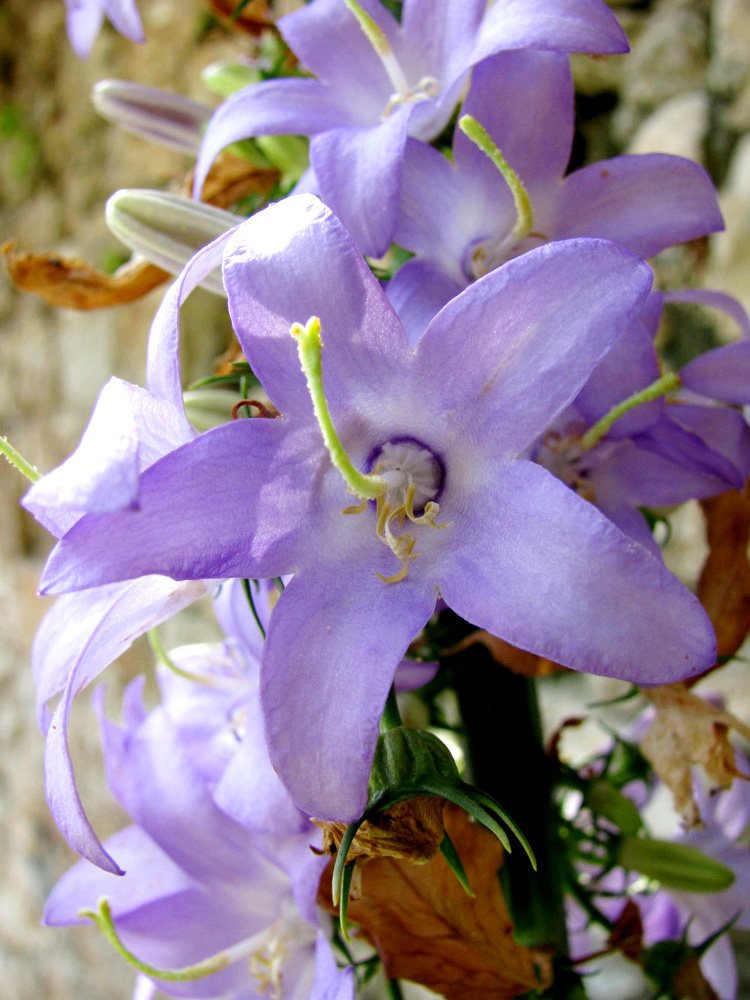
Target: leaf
[[74, 284], [689, 731], [724, 585], [429, 930]]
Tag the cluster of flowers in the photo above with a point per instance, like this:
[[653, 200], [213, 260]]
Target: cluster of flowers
[[462, 437]]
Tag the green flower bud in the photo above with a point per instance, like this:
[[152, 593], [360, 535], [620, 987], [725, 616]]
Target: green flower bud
[[675, 866]]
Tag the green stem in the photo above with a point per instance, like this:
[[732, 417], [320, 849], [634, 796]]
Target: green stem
[[17, 460], [507, 759], [391, 718], [658, 388]]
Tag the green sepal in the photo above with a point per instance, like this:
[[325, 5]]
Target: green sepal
[[346, 884], [340, 863], [449, 852], [674, 866]]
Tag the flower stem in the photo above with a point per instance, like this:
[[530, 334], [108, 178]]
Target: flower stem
[[506, 756], [658, 388]]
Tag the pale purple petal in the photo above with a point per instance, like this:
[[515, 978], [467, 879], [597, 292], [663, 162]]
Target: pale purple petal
[[83, 19], [133, 610], [414, 674], [572, 587], [128, 430], [322, 726], [163, 371], [559, 25], [327, 39], [279, 270], [444, 49], [418, 291], [124, 17], [536, 141], [289, 106], [331, 983], [645, 202], [358, 172], [723, 373], [244, 492], [539, 324]]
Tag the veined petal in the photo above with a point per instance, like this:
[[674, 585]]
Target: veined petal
[[645, 202], [539, 325], [537, 140], [723, 373], [337, 635], [441, 44], [243, 492], [559, 25], [535, 564], [358, 171], [281, 268], [120, 615], [287, 106]]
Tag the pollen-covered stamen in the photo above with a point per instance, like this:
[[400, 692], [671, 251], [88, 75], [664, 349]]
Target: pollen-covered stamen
[[426, 88]]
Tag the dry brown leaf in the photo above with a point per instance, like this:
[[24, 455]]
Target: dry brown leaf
[[627, 933], [412, 830], [231, 179], [724, 586], [74, 284], [518, 660], [254, 17], [427, 929], [689, 731], [690, 983]]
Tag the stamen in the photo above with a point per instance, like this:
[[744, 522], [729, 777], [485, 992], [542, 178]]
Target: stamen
[[356, 510], [376, 37], [481, 138], [310, 346], [658, 388], [429, 513], [102, 917]]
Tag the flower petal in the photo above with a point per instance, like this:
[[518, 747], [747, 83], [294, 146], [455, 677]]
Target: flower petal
[[546, 571], [645, 202], [336, 638], [539, 324], [243, 492], [358, 171], [418, 291]]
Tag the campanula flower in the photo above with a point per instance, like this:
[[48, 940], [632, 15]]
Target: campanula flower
[[84, 18]]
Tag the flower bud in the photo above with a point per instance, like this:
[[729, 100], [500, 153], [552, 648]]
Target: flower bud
[[675, 866], [166, 228], [169, 119]]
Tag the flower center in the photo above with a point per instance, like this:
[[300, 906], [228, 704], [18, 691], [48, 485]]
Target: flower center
[[427, 88], [266, 963], [414, 477]]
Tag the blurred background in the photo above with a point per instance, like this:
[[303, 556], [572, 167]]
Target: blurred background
[[685, 89]]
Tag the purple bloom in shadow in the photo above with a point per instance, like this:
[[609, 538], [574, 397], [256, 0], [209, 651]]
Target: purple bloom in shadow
[[512, 550], [360, 109]]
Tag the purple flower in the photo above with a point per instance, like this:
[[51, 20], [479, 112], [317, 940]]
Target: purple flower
[[459, 217], [84, 19], [504, 543], [362, 106], [659, 453], [198, 883]]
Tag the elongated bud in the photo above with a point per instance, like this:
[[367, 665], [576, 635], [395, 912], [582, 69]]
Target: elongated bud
[[166, 228], [169, 119], [675, 866]]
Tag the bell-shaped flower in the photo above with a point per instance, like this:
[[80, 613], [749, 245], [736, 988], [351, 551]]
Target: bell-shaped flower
[[462, 217], [204, 909], [400, 483], [379, 81]]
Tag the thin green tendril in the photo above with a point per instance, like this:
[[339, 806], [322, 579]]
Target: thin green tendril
[[17, 460]]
